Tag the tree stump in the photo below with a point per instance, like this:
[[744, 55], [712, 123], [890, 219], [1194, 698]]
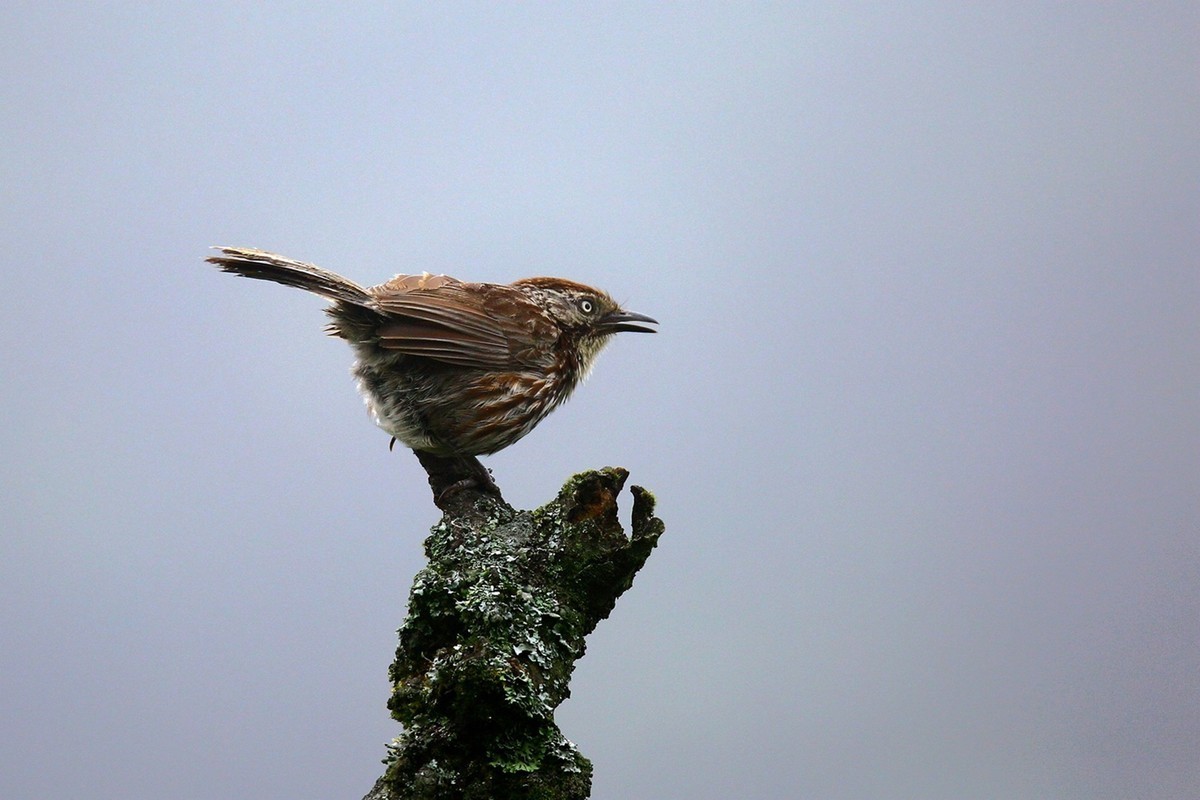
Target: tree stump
[[495, 624]]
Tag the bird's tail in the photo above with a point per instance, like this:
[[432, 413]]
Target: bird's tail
[[270, 267]]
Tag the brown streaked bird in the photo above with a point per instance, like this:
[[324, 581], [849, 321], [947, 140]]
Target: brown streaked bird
[[453, 369]]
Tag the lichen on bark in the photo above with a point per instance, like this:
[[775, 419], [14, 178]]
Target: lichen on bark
[[495, 624]]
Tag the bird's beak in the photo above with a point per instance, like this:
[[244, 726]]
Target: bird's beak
[[615, 321]]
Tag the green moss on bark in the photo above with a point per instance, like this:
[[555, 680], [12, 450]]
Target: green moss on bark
[[495, 624]]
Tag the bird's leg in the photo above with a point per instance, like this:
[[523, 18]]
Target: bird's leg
[[449, 475]]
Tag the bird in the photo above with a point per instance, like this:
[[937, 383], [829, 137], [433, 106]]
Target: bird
[[453, 369]]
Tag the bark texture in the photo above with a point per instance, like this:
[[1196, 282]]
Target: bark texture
[[495, 624]]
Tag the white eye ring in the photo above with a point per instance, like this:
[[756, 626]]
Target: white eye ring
[[586, 306]]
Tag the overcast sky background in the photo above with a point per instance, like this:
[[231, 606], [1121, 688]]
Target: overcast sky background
[[923, 417]]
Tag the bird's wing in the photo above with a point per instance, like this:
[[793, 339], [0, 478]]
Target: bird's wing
[[488, 326]]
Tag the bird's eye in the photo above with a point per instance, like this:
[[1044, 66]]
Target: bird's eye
[[587, 306]]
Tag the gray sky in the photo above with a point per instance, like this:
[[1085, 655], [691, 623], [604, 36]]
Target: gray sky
[[922, 417]]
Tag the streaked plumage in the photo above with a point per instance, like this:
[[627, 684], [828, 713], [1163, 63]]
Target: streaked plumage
[[452, 368]]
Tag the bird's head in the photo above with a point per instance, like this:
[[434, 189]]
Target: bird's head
[[587, 317], [584, 310]]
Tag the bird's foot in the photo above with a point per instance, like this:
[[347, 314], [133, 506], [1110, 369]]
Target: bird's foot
[[451, 475]]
